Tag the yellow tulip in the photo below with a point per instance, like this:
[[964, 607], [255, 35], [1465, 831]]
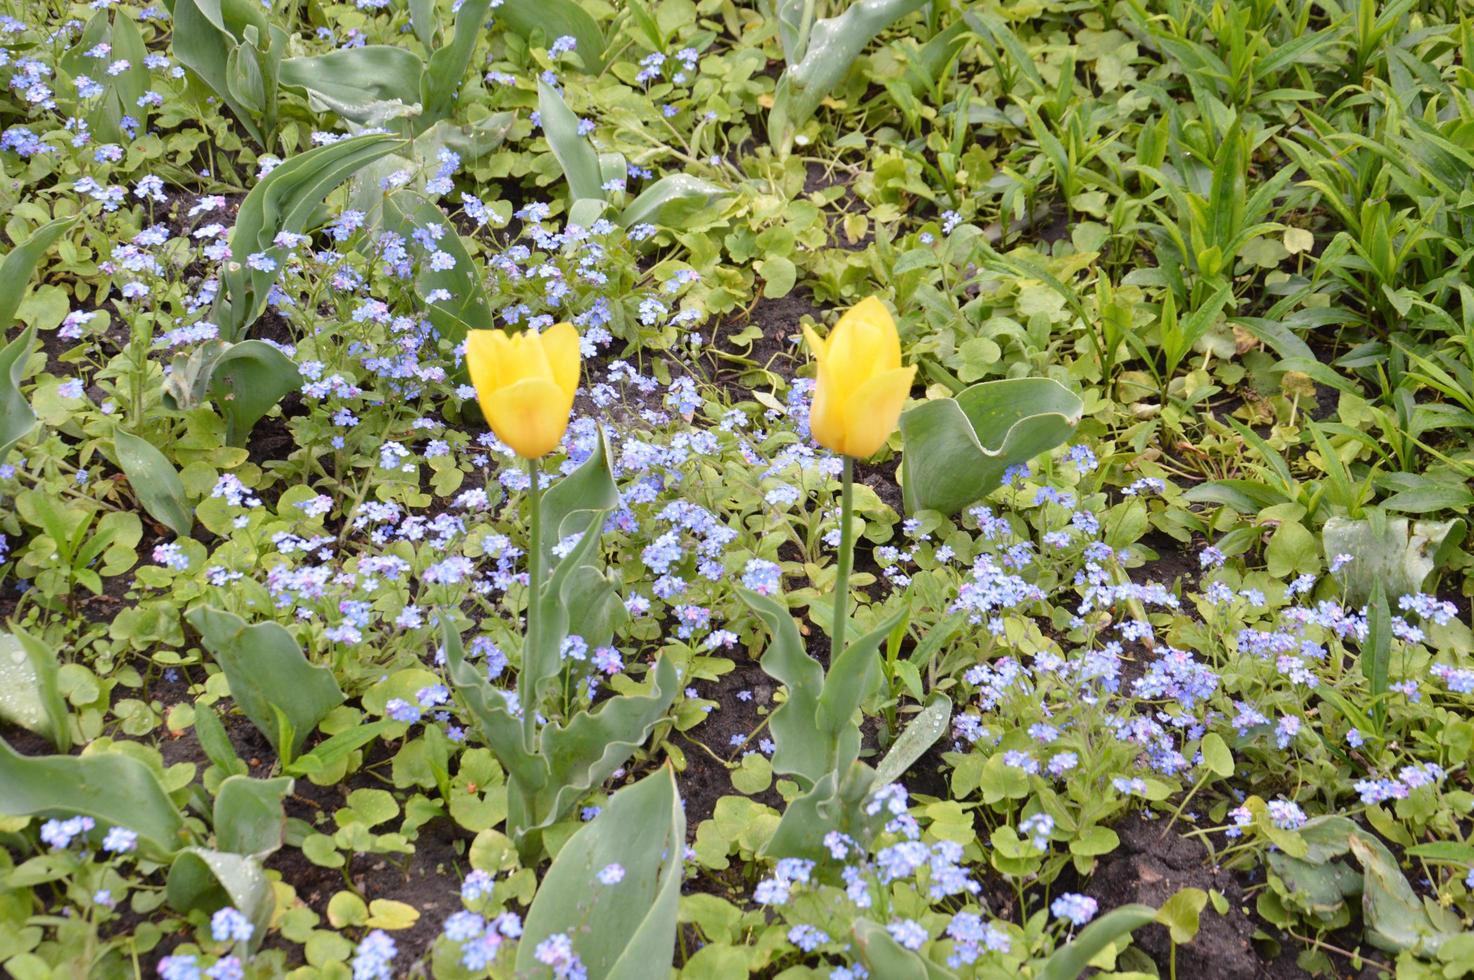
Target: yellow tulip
[[862, 385], [525, 384]]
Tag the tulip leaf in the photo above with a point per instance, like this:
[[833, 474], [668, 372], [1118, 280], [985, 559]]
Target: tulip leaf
[[214, 741], [29, 696], [282, 694], [467, 307], [246, 382], [957, 449], [361, 85], [554, 19], [249, 817], [440, 85], [1071, 960], [833, 45], [285, 200], [207, 880], [574, 153], [1396, 919], [620, 930], [110, 787], [155, 481], [924, 730], [670, 201], [20, 263], [884, 957], [205, 32], [1393, 551]]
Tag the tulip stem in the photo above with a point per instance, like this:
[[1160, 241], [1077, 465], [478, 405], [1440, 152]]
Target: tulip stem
[[846, 560], [527, 695]]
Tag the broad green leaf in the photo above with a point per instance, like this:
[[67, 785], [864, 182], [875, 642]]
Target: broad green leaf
[[246, 382], [467, 308], [670, 200], [327, 752], [575, 154], [625, 930], [285, 200], [268, 676], [207, 880], [833, 45], [155, 481], [955, 450], [363, 85], [553, 19], [1070, 961], [1216, 755], [205, 32], [1180, 914], [923, 731], [1395, 918], [16, 418], [28, 693], [20, 263], [1398, 553], [113, 788], [248, 814], [884, 957], [215, 742], [441, 82]]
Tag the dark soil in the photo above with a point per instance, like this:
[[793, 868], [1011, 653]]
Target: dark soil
[[1150, 866], [705, 779]]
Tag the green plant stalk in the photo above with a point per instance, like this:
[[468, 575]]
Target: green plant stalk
[[525, 693], [846, 560]]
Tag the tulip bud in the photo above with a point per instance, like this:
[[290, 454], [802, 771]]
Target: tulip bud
[[862, 385], [525, 384]]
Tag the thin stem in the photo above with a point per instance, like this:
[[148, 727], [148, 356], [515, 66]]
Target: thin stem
[[526, 683], [846, 559]]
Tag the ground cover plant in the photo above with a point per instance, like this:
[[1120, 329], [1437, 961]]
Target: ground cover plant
[[686, 488]]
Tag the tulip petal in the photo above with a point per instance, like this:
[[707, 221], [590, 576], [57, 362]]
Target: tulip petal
[[560, 344], [871, 413], [826, 413], [482, 358], [871, 320], [529, 415], [816, 344]]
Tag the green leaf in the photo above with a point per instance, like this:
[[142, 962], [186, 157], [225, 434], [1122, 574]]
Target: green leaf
[[957, 449], [215, 742], [330, 750], [575, 154], [155, 481], [111, 787], [1180, 914], [367, 85], [16, 418], [626, 930], [553, 19], [1395, 918], [929, 725], [1393, 551], [249, 818], [884, 957], [670, 201], [29, 696], [834, 44], [205, 32], [20, 263], [467, 309], [268, 674], [1070, 961], [1216, 755], [246, 382], [207, 880], [441, 83], [284, 200]]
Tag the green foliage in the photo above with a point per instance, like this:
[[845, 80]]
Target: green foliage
[[957, 449], [155, 480], [620, 928], [29, 696], [284, 696]]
